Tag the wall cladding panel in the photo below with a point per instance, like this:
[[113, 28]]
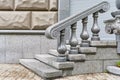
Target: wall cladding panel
[[6, 4], [53, 5], [28, 14], [31, 4], [41, 20], [14, 20]]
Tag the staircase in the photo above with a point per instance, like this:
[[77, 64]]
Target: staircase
[[87, 56]]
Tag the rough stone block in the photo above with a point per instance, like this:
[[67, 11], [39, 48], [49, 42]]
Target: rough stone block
[[2, 49], [53, 52], [53, 6], [6, 4], [87, 67], [31, 4], [14, 20], [88, 50], [42, 20], [104, 53], [103, 43]]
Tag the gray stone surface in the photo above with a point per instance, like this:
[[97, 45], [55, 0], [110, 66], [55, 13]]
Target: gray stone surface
[[31, 45], [13, 48], [52, 61], [64, 9], [64, 12], [53, 52], [88, 67], [2, 49], [88, 50], [41, 69], [104, 53], [114, 70], [109, 63], [47, 44], [103, 43], [76, 57]]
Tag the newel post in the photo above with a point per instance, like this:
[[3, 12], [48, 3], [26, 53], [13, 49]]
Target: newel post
[[62, 47], [95, 28], [84, 35], [73, 40]]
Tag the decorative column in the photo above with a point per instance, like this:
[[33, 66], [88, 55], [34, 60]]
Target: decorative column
[[113, 25], [84, 35], [95, 28], [62, 47], [73, 40], [118, 4]]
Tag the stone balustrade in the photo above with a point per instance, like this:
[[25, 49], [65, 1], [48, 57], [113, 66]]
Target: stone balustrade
[[58, 30], [27, 14]]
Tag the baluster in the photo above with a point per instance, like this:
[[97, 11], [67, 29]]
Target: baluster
[[84, 35], [62, 47], [95, 29], [73, 40]]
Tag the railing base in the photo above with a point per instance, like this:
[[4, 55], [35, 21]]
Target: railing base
[[85, 44], [95, 38], [61, 59], [73, 50]]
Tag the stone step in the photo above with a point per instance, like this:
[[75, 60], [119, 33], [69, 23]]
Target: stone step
[[70, 57], [41, 69], [88, 50], [52, 61], [103, 43]]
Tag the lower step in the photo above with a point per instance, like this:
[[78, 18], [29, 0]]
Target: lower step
[[41, 69], [52, 61]]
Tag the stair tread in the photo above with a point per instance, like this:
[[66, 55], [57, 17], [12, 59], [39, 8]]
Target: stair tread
[[52, 61], [40, 68]]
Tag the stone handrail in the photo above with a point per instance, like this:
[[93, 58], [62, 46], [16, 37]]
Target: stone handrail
[[58, 30], [54, 30]]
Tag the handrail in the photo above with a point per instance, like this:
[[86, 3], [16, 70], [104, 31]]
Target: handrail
[[54, 30]]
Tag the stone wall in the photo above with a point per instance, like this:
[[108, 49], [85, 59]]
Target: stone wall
[[27, 14], [22, 27], [14, 47]]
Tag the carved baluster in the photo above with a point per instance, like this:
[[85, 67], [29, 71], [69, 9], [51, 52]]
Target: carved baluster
[[62, 47], [73, 40], [84, 35], [95, 29]]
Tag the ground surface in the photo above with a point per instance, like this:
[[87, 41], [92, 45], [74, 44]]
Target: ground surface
[[18, 72]]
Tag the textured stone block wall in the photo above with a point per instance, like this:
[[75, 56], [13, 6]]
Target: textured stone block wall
[[27, 14]]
